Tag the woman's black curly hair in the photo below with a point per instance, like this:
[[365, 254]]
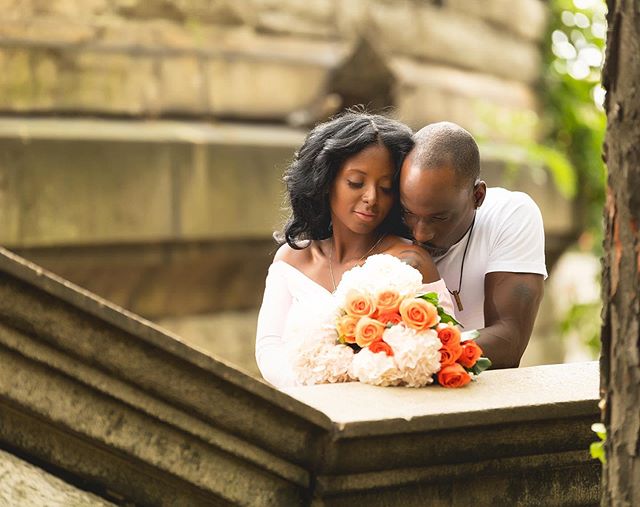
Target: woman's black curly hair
[[309, 177]]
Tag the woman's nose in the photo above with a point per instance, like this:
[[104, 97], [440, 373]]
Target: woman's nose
[[370, 196]]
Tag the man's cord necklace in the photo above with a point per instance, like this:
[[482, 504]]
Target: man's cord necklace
[[366, 254], [456, 293]]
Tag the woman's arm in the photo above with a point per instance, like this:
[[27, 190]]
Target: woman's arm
[[271, 355]]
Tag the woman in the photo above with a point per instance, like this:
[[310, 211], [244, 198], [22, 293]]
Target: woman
[[343, 192]]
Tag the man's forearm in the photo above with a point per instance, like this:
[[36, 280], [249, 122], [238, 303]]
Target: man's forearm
[[501, 345], [510, 308]]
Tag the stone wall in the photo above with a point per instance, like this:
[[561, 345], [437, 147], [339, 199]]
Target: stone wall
[[287, 61], [142, 142]]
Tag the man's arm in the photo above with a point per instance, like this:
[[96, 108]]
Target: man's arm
[[511, 302]]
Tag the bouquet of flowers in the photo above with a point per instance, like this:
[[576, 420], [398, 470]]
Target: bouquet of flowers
[[381, 330]]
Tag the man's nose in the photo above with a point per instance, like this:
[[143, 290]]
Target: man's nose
[[422, 233]]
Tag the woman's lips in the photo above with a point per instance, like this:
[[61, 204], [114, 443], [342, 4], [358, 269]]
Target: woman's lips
[[367, 217]]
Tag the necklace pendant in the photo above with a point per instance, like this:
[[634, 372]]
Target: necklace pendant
[[456, 296]]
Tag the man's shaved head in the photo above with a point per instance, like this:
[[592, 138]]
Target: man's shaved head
[[445, 144]]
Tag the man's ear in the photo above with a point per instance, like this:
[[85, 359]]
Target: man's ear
[[479, 193]]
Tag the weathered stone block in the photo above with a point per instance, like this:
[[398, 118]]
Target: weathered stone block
[[46, 30], [10, 209], [269, 83], [427, 93], [439, 35], [238, 185], [314, 18], [229, 335], [63, 9], [100, 181], [225, 12], [116, 83], [16, 85], [23, 484], [91, 197], [181, 86], [527, 18]]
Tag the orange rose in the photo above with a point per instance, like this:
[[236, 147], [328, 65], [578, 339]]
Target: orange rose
[[347, 328], [389, 318], [471, 352], [448, 334], [453, 375], [359, 305], [448, 356], [418, 313], [380, 346], [388, 301], [368, 330]]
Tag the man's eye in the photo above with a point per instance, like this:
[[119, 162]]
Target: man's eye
[[440, 219], [354, 184]]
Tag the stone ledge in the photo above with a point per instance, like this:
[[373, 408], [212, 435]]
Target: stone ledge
[[121, 406], [149, 131], [500, 396]]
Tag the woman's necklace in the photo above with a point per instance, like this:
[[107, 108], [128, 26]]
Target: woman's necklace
[[366, 254], [456, 293]]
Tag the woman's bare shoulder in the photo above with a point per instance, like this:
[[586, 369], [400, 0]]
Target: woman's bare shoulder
[[415, 256], [296, 257]]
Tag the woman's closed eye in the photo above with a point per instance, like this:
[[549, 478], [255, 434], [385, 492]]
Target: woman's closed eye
[[355, 184]]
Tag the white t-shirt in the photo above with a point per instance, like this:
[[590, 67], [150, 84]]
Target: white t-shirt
[[507, 235]]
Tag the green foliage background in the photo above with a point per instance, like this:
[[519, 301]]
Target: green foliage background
[[573, 118], [574, 124]]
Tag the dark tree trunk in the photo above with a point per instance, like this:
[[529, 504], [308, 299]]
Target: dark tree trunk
[[620, 360]]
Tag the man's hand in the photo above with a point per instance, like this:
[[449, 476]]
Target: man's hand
[[511, 302]]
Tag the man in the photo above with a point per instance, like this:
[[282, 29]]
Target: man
[[488, 243]]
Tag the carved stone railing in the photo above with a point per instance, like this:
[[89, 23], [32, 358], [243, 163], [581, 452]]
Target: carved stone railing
[[114, 405]]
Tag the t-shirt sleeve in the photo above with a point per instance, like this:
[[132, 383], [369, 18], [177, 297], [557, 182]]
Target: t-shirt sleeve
[[444, 296], [271, 354], [518, 244]]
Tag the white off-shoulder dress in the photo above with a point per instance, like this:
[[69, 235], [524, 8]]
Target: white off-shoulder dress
[[289, 292]]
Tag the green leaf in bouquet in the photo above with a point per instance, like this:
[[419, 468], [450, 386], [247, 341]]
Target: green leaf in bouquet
[[482, 364], [445, 318], [431, 297]]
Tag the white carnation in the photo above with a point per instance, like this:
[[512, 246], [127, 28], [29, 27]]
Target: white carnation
[[380, 272], [377, 369], [322, 363], [416, 354], [314, 353]]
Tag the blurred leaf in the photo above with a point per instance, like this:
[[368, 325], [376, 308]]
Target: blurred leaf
[[472, 334], [597, 448], [597, 451], [482, 364]]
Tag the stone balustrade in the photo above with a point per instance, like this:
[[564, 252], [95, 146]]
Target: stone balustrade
[[112, 404]]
